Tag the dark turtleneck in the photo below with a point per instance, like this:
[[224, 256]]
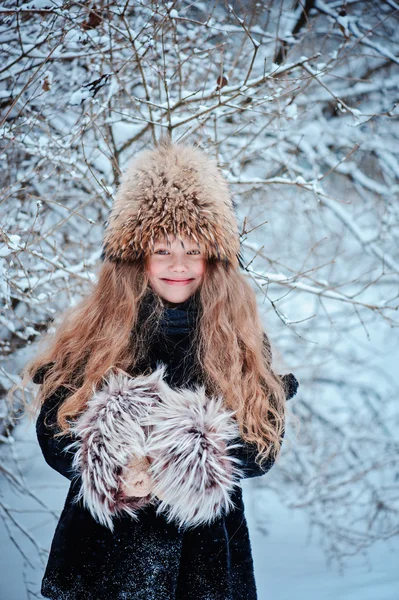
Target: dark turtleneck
[[172, 341], [180, 318], [169, 336]]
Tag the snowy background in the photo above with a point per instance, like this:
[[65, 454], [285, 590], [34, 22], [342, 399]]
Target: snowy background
[[298, 102]]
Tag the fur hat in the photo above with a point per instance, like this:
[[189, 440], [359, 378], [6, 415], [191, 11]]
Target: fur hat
[[176, 189]]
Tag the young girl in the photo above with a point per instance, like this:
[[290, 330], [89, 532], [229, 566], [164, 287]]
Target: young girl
[[158, 396]]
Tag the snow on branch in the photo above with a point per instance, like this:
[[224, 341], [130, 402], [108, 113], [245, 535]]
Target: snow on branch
[[299, 107]]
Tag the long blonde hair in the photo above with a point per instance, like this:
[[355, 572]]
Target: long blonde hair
[[95, 336]]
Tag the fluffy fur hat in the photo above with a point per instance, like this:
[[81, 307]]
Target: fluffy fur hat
[[176, 189]]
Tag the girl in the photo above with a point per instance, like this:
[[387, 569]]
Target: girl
[[157, 397]]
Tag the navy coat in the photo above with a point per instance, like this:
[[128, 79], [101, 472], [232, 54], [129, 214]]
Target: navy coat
[[148, 559]]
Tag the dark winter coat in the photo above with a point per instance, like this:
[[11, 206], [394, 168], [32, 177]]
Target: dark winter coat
[[148, 558]]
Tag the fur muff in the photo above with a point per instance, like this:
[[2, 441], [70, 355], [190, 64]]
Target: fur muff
[[172, 189], [109, 434], [189, 442], [186, 435]]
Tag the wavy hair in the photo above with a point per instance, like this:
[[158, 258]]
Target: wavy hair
[[95, 336]]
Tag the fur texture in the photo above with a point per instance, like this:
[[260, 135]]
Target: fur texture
[[189, 442], [186, 435], [173, 189], [108, 435]]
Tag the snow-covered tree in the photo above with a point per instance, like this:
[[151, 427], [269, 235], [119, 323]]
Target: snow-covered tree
[[298, 102]]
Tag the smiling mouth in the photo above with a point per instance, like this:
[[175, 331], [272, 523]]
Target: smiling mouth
[[177, 281]]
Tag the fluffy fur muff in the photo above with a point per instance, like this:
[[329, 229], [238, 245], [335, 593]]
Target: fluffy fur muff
[[186, 435], [108, 434], [190, 437]]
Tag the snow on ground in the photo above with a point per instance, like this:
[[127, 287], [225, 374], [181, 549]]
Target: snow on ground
[[287, 564]]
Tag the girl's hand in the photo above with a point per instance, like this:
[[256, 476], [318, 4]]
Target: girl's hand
[[135, 480]]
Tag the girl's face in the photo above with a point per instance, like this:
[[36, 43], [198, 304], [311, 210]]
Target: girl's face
[[175, 272]]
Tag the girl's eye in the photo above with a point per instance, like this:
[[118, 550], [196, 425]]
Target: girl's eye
[[162, 250]]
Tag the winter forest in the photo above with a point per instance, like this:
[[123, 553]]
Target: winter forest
[[298, 101]]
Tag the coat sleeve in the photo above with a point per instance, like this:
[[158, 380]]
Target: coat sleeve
[[247, 452], [53, 448]]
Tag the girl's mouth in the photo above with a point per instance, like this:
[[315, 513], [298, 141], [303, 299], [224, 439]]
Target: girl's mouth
[[177, 282]]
